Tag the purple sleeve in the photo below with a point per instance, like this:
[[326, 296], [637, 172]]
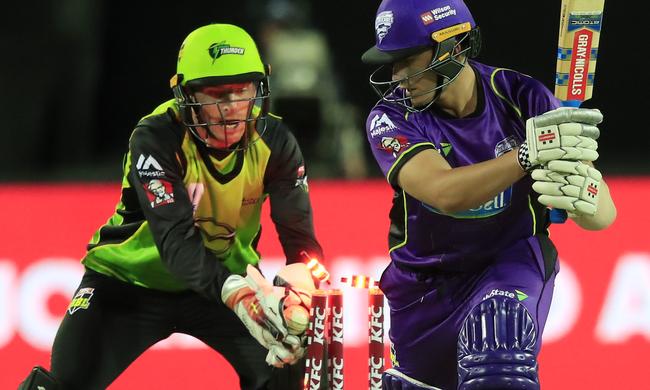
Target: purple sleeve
[[535, 99], [529, 96], [394, 139]]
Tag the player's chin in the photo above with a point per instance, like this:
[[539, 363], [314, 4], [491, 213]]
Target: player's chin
[[226, 141], [223, 132], [421, 101]]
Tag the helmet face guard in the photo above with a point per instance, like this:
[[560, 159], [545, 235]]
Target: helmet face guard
[[449, 58], [213, 56], [192, 113]]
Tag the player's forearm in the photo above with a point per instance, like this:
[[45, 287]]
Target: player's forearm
[[605, 214], [463, 188], [291, 213], [186, 257]]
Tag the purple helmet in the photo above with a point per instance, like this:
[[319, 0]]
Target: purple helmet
[[407, 27]]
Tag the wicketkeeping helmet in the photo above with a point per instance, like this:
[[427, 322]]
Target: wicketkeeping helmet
[[219, 54]]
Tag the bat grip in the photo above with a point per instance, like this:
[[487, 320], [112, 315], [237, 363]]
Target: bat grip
[[571, 103]]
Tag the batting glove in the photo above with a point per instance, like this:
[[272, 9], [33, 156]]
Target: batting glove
[[569, 185], [560, 134]]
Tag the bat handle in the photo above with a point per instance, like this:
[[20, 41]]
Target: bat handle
[[558, 215], [571, 103]]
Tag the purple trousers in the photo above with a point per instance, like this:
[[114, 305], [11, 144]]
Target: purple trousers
[[427, 310]]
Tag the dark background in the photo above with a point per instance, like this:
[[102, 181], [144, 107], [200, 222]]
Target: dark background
[[78, 74]]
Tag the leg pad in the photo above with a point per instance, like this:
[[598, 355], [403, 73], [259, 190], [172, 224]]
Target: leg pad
[[496, 347], [394, 380]]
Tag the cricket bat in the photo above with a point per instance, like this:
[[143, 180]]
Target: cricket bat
[[577, 51]]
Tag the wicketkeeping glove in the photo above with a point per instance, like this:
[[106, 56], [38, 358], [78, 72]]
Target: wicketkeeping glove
[[259, 306], [569, 185], [560, 134], [299, 286]]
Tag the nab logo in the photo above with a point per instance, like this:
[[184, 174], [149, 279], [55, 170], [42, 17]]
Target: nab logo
[[147, 163]]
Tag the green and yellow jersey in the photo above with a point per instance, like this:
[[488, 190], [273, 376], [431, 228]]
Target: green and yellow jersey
[[189, 217]]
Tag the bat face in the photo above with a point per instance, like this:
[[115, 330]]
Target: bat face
[[577, 52]]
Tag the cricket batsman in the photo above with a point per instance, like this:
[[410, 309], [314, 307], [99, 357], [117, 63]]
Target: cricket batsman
[[476, 156]]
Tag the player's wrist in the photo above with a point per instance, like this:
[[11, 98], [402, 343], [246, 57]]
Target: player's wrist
[[234, 290], [523, 158]]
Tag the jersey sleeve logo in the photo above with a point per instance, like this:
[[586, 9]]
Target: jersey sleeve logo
[[149, 167], [81, 300], [301, 179], [394, 145], [159, 192], [381, 125]]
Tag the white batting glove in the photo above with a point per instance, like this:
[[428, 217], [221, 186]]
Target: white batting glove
[[259, 307], [561, 134], [569, 185]]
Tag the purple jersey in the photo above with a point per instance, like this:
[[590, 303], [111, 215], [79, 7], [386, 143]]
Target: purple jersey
[[420, 235]]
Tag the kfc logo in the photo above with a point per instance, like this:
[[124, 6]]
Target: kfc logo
[[159, 192]]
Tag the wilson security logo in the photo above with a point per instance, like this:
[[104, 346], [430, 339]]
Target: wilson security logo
[[437, 14]]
